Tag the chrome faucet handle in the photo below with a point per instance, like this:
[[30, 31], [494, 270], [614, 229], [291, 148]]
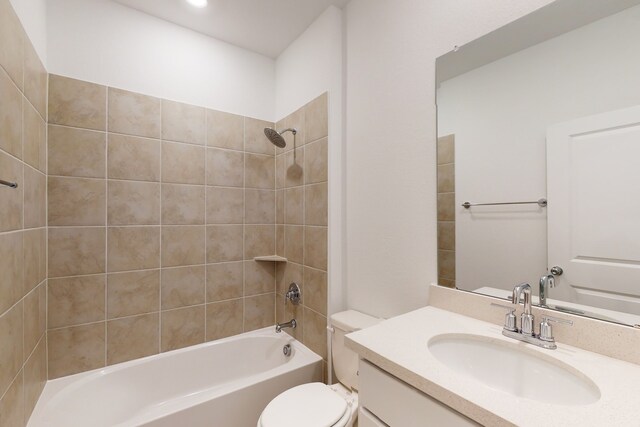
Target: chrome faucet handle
[[546, 331], [509, 318]]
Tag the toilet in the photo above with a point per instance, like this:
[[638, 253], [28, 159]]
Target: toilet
[[318, 404]]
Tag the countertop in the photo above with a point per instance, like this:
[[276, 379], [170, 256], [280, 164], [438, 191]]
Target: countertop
[[399, 346]]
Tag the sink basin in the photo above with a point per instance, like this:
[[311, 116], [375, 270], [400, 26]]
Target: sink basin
[[514, 368]]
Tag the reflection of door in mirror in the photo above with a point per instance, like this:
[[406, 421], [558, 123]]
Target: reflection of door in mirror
[[446, 212]]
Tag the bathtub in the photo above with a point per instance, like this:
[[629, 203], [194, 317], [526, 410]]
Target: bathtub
[[224, 383]]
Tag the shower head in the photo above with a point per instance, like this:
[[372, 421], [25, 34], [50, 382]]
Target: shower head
[[276, 137]]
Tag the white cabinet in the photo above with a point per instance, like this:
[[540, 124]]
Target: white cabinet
[[395, 403], [367, 419]]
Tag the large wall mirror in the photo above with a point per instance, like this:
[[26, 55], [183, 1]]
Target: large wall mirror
[[539, 160]]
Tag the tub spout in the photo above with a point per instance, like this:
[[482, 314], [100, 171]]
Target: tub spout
[[290, 324]]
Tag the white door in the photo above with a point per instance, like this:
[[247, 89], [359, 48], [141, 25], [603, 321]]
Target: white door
[[593, 189]]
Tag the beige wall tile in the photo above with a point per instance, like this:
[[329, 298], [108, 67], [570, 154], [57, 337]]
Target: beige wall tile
[[294, 243], [447, 264], [133, 113], [224, 243], [225, 281], [260, 206], [225, 130], [11, 266], [287, 273], [315, 288], [183, 286], [315, 166], [10, 116], [293, 208], [75, 251], [133, 203], [446, 207], [133, 248], [132, 337], [76, 300], [12, 38], [76, 349], [315, 247], [76, 152], [259, 240], [280, 159], [12, 198], [259, 171], [316, 204], [183, 163], [259, 277], [225, 205], [259, 312], [11, 337], [35, 254], [448, 283], [35, 377], [280, 240], [446, 149], [183, 204], [316, 118], [35, 79], [135, 158], [224, 319], [294, 168], [446, 178], [77, 103], [35, 198], [295, 120], [446, 235], [76, 201], [225, 168], [183, 245], [183, 122], [34, 137], [133, 293], [182, 327], [35, 317], [315, 332], [12, 403], [255, 140], [279, 207]]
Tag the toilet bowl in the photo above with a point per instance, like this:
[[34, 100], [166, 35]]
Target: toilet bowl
[[318, 404]]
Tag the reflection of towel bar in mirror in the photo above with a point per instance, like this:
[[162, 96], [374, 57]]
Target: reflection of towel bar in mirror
[[541, 202], [9, 184]]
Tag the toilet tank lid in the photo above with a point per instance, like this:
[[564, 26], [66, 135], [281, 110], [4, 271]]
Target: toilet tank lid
[[352, 320]]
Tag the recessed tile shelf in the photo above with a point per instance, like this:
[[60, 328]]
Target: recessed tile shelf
[[273, 258]]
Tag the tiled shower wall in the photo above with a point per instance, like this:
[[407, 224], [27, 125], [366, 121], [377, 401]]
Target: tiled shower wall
[[23, 105], [446, 212], [301, 218], [156, 211]]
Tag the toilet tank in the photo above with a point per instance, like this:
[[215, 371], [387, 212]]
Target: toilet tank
[[345, 361]]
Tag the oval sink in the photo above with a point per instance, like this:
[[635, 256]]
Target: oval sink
[[514, 369]]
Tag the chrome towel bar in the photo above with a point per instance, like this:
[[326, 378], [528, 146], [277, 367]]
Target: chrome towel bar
[[541, 202], [9, 184]]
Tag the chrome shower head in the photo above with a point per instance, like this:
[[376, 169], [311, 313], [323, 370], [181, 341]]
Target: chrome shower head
[[276, 137]]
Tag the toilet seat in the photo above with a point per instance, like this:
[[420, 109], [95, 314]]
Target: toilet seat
[[316, 403]]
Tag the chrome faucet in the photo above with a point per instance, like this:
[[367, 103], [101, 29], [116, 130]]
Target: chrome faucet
[[526, 319], [547, 281], [290, 324]]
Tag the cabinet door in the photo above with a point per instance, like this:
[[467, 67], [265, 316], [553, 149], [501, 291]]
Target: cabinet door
[[367, 419]]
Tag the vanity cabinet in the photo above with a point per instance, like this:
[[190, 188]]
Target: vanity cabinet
[[387, 401]]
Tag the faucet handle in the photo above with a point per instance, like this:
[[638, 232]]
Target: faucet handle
[[546, 331], [509, 318]]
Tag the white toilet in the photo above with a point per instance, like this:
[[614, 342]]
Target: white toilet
[[317, 404]]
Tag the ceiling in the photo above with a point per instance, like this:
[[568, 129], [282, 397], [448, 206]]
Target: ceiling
[[263, 26]]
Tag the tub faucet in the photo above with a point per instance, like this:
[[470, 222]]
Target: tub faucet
[[526, 320], [547, 281], [290, 324]]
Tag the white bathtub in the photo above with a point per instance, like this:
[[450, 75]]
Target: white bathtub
[[224, 383]]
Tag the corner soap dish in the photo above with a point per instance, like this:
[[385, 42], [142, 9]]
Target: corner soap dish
[[272, 258]]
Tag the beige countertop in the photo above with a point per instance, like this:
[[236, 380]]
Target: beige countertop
[[399, 346]]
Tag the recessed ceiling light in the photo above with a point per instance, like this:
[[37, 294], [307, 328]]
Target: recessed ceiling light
[[197, 3]]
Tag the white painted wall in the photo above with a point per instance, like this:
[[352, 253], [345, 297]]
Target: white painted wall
[[107, 43], [500, 114], [391, 49], [33, 16], [310, 66]]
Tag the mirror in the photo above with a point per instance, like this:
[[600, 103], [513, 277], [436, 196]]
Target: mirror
[[539, 160]]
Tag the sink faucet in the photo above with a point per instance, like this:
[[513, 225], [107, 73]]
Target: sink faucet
[[547, 281], [527, 318], [290, 324]]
